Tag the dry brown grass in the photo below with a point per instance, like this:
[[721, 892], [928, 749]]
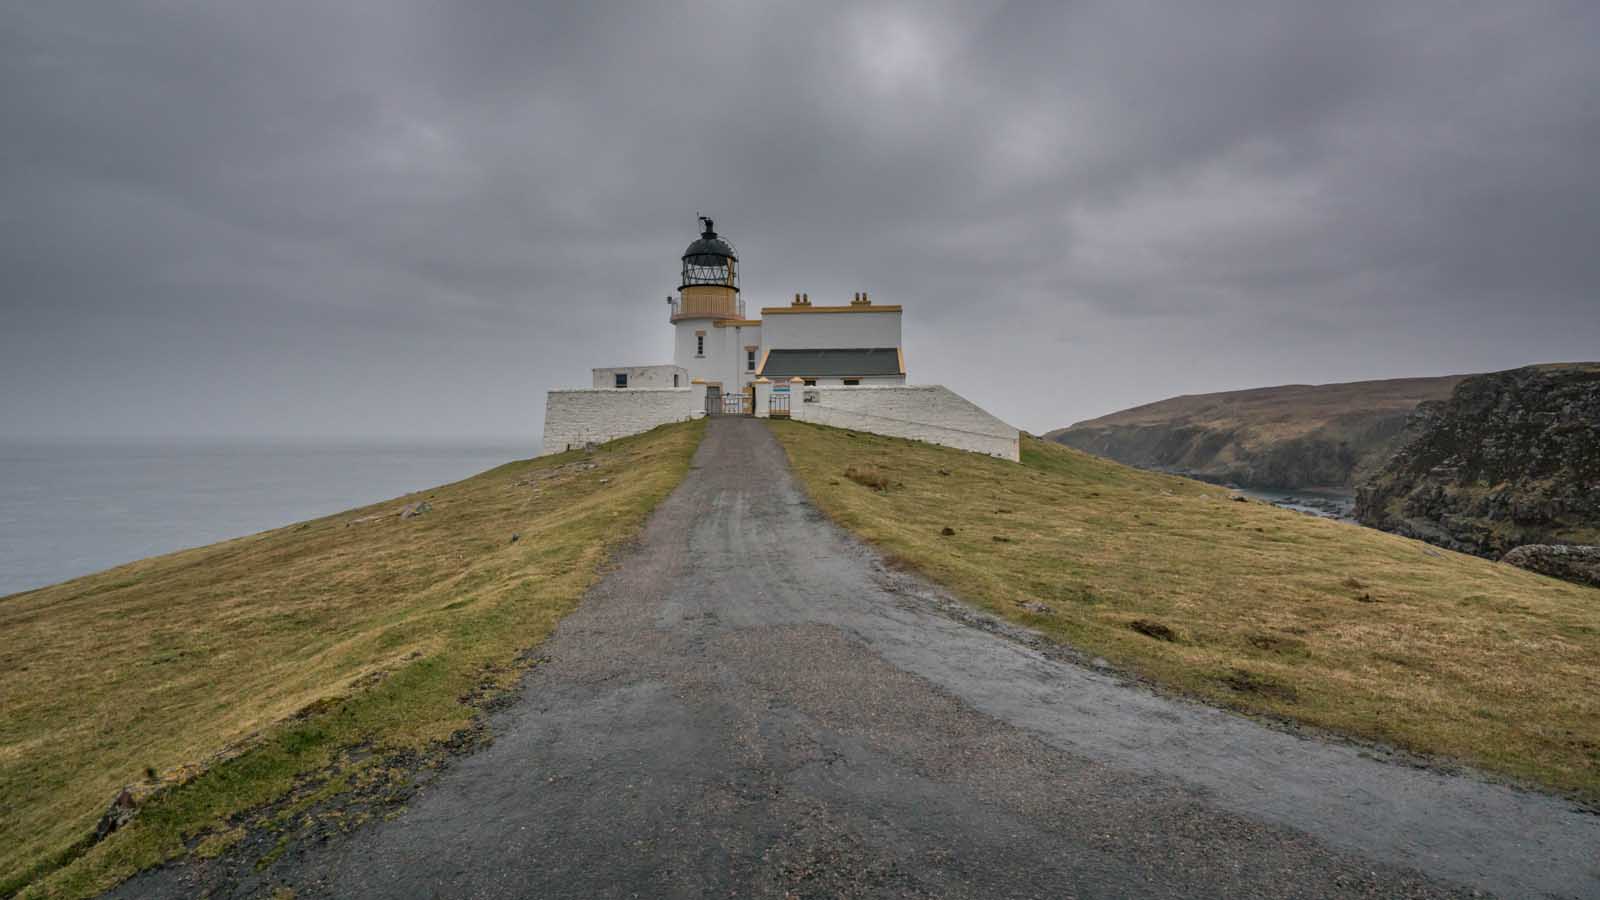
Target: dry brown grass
[[1268, 611], [377, 625], [867, 476]]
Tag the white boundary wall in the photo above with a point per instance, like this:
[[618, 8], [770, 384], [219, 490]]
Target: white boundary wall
[[923, 412], [573, 418]]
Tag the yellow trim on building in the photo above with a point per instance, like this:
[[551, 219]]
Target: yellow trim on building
[[737, 323], [762, 366], [796, 310], [900, 353]]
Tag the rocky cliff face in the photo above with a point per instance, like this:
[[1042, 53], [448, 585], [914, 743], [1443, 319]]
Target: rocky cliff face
[[1510, 458], [1288, 437]]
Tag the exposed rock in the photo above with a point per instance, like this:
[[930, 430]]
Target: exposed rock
[[413, 510], [947, 531], [119, 813], [1511, 458], [1565, 561]]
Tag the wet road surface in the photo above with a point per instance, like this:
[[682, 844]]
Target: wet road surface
[[751, 705]]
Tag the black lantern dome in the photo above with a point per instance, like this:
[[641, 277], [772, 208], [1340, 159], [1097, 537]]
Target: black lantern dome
[[710, 260]]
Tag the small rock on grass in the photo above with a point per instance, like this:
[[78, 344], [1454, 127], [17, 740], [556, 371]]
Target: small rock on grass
[[413, 510], [947, 531]]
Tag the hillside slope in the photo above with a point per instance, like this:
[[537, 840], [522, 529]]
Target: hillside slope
[[1287, 437], [212, 679], [1509, 458], [1244, 604]]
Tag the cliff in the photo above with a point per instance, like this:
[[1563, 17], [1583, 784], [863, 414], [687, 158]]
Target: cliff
[[1510, 458], [1287, 437]]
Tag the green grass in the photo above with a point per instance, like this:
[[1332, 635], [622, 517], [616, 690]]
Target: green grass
[[233, 670], [1270, 612]]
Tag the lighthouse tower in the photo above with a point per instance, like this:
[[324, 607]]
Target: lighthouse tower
[[715, 343]]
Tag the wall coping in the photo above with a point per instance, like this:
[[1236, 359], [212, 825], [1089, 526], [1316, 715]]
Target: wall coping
[[631, 390]]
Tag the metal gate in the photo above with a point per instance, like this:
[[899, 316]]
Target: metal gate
[[720, 404], [736, 404], [778, 405]]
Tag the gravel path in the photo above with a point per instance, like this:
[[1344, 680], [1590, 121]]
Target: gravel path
[[751, 705]]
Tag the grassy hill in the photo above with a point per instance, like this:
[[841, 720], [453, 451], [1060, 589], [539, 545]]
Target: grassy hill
[[1291, 436], [1260, 609], [212, 679]]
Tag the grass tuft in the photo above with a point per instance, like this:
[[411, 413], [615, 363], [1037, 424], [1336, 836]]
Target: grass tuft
[[1153, 630], [868, 476]]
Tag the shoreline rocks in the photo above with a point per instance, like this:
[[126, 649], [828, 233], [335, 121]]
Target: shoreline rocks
[[1569, 562]]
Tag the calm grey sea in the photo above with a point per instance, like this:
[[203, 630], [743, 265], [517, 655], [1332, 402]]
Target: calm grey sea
[[71, 508]]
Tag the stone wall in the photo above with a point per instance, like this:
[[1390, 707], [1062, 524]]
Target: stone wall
[[573, 418], [930, 412]]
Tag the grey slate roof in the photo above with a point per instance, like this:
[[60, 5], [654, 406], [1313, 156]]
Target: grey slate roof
[[831, 363]]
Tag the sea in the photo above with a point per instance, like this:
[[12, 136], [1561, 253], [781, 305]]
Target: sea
[[69, 508], [1329, 504]]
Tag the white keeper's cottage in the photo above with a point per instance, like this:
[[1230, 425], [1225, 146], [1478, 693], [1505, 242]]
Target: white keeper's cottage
[[834, 364]]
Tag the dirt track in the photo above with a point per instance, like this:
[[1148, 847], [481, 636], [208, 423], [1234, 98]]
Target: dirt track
[[749, 704]]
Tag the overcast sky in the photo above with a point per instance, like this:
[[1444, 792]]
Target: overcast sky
[[411, 219]]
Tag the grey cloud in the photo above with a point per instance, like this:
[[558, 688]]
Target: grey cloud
[[412, 218]]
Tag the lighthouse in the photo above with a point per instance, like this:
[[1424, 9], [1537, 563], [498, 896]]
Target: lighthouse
[[714, 342]]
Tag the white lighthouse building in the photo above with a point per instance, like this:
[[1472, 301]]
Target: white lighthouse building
[[718, 345], [840, 364]]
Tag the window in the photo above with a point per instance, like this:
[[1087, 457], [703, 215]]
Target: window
[[700, 344], [622, 379], [851, 381], [750, 360], [674, 379], [811, 382]]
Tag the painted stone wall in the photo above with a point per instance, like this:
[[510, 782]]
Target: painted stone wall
[[923, 412], [575, 417], [642, 376], [724, 359]]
